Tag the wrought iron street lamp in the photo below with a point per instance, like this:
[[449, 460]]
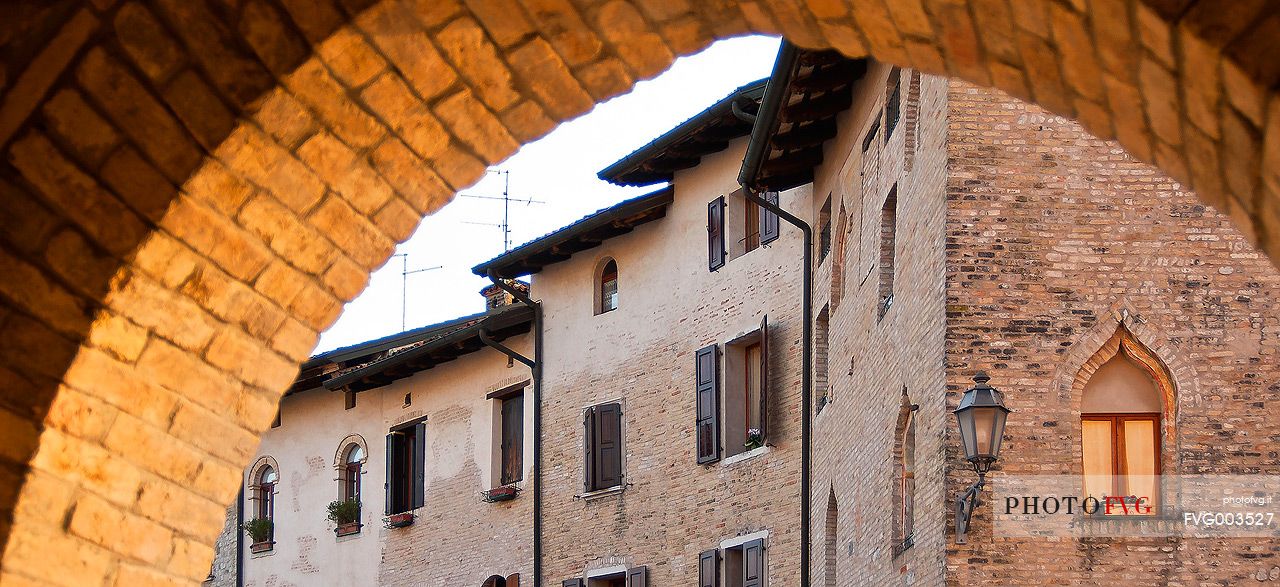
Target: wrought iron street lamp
[[982, 416]]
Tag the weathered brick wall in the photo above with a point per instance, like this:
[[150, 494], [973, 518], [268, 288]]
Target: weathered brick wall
[[873, 360], [190, 184], [1052, 236], [643, 354]]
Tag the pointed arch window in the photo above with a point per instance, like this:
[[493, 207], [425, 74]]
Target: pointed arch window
[[1121, 417], [607, 287], [904, 478]]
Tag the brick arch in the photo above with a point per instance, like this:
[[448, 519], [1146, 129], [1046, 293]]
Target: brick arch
[[191, 190]]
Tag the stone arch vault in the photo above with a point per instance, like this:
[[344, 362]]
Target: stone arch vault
[[191, 189]]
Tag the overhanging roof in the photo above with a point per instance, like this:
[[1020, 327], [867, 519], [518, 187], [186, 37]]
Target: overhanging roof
[[323, 366], [584, 234], [499, 324], [685, 145], [806, 92]]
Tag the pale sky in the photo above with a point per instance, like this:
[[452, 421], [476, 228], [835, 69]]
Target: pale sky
[[560, 170]]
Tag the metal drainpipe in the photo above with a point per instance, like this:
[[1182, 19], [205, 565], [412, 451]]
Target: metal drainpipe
[[806, 370], [536, 369], [240, 538]]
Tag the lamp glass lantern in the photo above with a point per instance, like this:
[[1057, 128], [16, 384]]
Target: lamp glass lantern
[[982, 416]]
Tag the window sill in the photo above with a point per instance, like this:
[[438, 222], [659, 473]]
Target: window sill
[[745, 456], [602, 493]]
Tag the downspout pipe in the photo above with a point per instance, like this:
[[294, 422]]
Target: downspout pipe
[[535, 366], [806, 373], [240, 538]]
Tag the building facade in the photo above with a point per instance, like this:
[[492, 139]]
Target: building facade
[[670, 434]]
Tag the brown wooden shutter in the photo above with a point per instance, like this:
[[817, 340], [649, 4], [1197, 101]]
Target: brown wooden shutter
[[753, 564], [513, 580], [706, 428], [715, 234], [769, 220], [764, 378], [571, 583], [709, 568], [609, 446], [419, 463], [638, 576], [589, 449]]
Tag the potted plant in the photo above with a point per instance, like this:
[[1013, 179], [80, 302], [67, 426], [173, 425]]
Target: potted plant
[[260, 530], [501, 493], [399, 520], [754, 439], [346, 514]]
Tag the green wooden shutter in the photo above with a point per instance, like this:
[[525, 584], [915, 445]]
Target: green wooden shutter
[[753, 564], [706, 427], [609, 445], [419, 464], [764, 378], [769, 220], [589, 449], [638, 576], [715, 234], [571, 583], [389, 506], [709, 568]]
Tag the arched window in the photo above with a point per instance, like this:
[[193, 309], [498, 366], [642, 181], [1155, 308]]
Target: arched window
[[264, 493], [1120, 422], [904, 478], [907, 479], [832, 531], [352, 464], [607, 287]]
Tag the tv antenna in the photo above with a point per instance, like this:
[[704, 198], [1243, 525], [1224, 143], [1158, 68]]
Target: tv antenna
[[506, 198], [404, 287]]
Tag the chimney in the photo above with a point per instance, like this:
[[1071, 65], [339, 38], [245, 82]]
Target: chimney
[[496, 297]]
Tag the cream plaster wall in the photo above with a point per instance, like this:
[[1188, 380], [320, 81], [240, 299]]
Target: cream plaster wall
[[456, 534]]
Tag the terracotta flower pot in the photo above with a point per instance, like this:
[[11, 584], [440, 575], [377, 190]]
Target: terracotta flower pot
[[348, 529], [503, 493], [264, 546], [400, 520]]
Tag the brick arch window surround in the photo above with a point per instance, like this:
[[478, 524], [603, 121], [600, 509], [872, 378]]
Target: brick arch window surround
[[350, 466], [264, 480], [175, 200], [1122, 415]]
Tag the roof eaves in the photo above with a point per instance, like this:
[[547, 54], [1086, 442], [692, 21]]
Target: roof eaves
[[685, 130], [601, 218]]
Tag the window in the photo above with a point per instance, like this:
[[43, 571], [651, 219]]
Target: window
[[716, 251], [741, 419], [1120, 436], [824, 230], [352, 465], [906, 477], [500, 581], [888, 246], [893, 102], [511, 449], [829, 544], [607, 287], [406, 475], [821, 366], [633, 577], [744, 566], [265, 492], [911, 121], [603, 447]]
